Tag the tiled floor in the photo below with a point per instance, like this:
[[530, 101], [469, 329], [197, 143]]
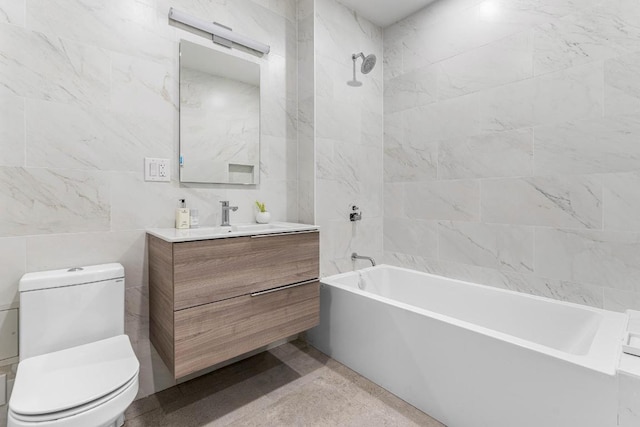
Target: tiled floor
[[291, 385]]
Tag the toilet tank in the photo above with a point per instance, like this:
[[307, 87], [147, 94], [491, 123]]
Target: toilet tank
[[60, 309]]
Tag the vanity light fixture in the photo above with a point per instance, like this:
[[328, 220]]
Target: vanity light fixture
[[217, 30]]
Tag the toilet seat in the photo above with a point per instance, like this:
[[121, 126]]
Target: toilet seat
[[70, 382], [77, 410]]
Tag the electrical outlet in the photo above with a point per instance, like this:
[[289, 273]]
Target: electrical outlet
[[162, 169], [156, 169]]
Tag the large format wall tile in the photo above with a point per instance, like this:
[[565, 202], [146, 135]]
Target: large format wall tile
[[409, 161], [136, 205], [44, 201], [42, 66], [501, 247], [342, 238], [414, 237], [552, 98], [413, 89], [451, 118], [617, 300], [487, 156], [66, 136], [349, 136], [572, 202], [453, 200], [139, 85], [457, 33], [279, 94], [621, 200], [12, 138], [588, 146], [13, 264], [393, 200], [116, 25], [263, 24], [597, 33], [12, 12], [539, 102], [610, 259], [340, 122], [392, 59], [622, 88], [528, 13], [504, 61]]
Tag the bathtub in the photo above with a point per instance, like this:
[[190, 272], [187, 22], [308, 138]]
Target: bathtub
[[472, 355]]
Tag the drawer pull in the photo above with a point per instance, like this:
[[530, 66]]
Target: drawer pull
[[259, 236], [281, 288]]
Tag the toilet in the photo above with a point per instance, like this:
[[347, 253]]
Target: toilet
[[77, 368]]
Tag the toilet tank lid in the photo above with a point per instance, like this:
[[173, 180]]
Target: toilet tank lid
[[70, 276]]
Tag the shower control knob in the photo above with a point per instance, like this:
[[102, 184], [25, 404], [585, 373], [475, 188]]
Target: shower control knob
[[356, 215]]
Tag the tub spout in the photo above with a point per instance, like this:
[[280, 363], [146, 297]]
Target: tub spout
[[355, 256]]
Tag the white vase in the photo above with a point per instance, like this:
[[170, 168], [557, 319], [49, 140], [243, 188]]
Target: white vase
[[263, 217]]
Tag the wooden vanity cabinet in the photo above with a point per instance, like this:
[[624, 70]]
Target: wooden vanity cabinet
[[212, 300]]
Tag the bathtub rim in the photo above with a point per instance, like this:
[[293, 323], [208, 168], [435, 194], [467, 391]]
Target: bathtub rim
[[599, 358]]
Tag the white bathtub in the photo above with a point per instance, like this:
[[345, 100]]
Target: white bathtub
[[472, 355]]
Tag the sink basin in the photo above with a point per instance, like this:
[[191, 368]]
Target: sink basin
[[232, 229], [205, 233]]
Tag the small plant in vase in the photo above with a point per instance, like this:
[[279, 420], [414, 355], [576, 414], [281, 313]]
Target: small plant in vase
[[262, 217]]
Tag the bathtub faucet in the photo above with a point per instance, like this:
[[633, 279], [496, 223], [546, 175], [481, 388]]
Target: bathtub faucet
[[355, 256]]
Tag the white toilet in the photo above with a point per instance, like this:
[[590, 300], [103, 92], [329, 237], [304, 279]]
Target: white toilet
[[77, 368]]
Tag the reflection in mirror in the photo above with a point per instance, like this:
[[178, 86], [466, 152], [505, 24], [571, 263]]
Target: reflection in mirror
[[219, 117]]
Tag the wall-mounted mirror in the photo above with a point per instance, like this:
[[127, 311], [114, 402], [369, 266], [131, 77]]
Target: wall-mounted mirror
[[219, 117]]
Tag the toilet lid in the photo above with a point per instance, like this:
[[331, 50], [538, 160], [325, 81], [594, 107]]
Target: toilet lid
[[73, 377]]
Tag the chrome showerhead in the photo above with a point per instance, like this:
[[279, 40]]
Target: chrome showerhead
[[368, 62]]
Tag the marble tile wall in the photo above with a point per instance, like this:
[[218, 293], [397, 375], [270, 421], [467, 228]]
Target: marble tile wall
[[87, 89], [306, 111], [348, 137], [511, 153]]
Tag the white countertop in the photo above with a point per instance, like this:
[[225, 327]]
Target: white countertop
[[173, 235], [630, 364]]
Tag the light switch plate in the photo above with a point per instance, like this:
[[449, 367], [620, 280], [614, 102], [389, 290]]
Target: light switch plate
[[156, 170]]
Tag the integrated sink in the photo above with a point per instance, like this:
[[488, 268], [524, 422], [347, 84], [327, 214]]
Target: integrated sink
[[205, 233], [260, 227]]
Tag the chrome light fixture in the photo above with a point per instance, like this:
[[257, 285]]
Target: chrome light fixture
[[218, 31]]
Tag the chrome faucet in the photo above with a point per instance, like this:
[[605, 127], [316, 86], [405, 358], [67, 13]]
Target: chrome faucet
[[225, 212], [355, 215], [355, 256]]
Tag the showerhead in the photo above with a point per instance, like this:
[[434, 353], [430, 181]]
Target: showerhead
[[368, 62]]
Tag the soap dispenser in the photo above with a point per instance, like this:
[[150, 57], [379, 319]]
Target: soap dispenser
[[182, 215]]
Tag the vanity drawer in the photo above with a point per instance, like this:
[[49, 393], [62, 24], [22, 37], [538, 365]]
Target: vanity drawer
[[215, 332], [213, 270]]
